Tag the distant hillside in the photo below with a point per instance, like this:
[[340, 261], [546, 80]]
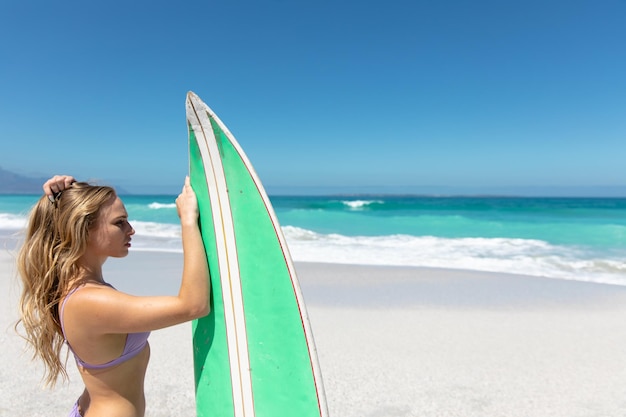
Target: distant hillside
[[12, 183]]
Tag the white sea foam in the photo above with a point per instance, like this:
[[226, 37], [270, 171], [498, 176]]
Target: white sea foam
[[12, 221], [360, 204], [518, 256], [152, 229], [159, 237], [157, 206]]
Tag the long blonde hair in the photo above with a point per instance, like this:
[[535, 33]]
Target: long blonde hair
[[48, 264]]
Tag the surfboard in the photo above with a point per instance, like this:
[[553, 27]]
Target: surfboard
[[254, 355]]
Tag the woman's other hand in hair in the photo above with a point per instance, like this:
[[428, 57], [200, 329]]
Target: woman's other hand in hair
[[57, 184]]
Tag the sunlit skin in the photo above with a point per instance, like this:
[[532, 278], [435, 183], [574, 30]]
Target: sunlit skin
[[112, 234]]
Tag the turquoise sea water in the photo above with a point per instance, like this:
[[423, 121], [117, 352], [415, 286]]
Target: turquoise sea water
[[570, 238]]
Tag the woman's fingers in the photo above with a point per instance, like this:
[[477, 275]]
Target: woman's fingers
[[187, 203], [57, 184]]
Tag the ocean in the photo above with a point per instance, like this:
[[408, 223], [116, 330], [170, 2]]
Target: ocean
[[564, 238]]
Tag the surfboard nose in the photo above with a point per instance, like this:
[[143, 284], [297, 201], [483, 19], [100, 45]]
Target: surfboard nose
[[193, 100]]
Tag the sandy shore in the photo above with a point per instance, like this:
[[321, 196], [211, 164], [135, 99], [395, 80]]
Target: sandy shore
[[392, 342]]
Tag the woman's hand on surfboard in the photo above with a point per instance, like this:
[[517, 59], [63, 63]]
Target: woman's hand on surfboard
[[57, 184], [187, 205]]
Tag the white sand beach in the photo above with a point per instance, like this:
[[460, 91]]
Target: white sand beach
[[391, 342]]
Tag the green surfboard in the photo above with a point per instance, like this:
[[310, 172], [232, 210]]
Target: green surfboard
[[254, 355]]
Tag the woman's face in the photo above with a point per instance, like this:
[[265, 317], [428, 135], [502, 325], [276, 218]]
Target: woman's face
[[111, 233]]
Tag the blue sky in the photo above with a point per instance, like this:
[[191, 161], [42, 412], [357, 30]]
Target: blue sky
[[360, 95]]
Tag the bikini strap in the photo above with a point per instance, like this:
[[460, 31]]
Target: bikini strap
[[63, 309]]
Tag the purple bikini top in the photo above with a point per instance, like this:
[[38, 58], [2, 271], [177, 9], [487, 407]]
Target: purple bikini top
[[135, 342]]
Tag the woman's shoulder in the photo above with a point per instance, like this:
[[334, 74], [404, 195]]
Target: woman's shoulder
[[92, 303], [90, 292]]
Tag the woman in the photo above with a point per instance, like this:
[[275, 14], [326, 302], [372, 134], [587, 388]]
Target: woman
[[72, 231]]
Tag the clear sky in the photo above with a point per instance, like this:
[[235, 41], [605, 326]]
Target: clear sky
[[479, 95]]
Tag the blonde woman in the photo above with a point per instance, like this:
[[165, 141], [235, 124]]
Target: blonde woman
[[72, 231]]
